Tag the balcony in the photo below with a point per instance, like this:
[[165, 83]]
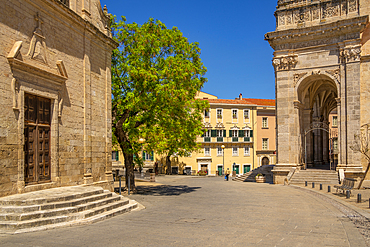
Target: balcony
[[225, 139]]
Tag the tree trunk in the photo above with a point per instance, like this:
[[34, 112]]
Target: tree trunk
[[125, 145], [168, 165], [362, 179], [130, 176]]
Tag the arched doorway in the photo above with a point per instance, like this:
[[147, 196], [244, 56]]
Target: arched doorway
[[265, 161], [317, 95]]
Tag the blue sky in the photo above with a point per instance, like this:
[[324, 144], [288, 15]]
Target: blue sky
[[230, 35]]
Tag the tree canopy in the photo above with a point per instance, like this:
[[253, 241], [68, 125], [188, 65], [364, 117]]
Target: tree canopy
[[156, 73]]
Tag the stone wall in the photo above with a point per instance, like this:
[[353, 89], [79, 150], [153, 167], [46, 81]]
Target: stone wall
[[49, 50]]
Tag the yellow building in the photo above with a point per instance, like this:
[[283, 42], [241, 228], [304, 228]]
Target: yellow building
[[239, 136], [241, 129]]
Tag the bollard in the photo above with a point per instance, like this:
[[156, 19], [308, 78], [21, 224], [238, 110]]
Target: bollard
[[128, 189], [120, 185], [313, 185], [348, 193], [358, 198], [328, 188], [320, 186], [305, 183]]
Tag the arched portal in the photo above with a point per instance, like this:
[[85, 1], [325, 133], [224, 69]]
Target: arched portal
[[317, 95], [265, 161]]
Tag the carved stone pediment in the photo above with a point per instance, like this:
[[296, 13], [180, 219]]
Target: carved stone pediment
[[207, 125], [220, 125], [36, 61]]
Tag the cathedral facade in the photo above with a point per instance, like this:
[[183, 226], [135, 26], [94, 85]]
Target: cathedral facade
[[322, 66], [55, 94]]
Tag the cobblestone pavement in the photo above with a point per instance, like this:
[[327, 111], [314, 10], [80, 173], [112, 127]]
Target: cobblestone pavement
[[206, 211]]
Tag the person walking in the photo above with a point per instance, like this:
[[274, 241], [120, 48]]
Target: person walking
[[227, 174]]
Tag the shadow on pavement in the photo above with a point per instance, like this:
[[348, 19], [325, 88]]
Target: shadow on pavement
[[165, 190]]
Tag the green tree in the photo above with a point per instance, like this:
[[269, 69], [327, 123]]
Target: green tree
[[155, 71]]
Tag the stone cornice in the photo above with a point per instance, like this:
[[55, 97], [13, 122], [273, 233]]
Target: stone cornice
[[324, 34]]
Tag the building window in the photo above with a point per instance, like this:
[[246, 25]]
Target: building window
[[246, 115], [148, 155], [219, 151], [335, 121], [235, 133], [115, 156], [246, 151], [247, 133], [219, 133], [235, 151], [235, 115], [264, 122], [207, 151], [265, 143], [219, 113], [206, 113], [335, 144], [207, 133]]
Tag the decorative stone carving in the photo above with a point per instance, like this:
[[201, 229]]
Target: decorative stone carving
[[289, 18], [281, 20], [315, 12], [352, 5], [344, 7], [220, 125], [350, 54], [207, 125], [37, 48], [316, 72], [285, 62], [298, 105], [317, 125], [60, 105], [297, 77], [335, 73]]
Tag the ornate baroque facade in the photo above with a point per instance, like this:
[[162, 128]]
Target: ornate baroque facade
[[322, 62], [55, 94]]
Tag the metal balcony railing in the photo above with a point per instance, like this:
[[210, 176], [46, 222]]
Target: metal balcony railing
[[225, 139]]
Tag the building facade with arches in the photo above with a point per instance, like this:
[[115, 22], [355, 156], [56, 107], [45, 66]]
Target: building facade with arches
[[321, 60]]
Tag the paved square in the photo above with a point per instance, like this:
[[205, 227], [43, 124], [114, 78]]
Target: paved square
[[206, 211]]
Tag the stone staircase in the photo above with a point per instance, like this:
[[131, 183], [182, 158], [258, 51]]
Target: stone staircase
[[250, 176], [317, 176], [58, 207]]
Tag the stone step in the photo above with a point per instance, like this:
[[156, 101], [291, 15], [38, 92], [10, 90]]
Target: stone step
[[79, 206], [49, 196], [132, 205], [54, 205], [86, 206]]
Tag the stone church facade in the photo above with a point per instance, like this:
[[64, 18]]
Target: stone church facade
[[55, 94], [322, 65]]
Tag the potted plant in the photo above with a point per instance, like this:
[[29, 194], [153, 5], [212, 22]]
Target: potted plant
[[260, 178], [202, 173]]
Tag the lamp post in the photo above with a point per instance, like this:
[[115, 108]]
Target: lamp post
[[223, 157]]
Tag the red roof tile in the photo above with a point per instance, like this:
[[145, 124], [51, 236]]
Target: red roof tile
[[259, 102]]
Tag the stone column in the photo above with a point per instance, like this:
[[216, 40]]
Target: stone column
[[88, 179]]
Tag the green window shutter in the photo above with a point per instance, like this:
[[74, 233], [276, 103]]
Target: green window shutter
[[117, 157], [152, 156], [213, 133], [230, 133], [251, 133], [203, 134], [241, 133], [143, 157], [134, 156], [224, 133]]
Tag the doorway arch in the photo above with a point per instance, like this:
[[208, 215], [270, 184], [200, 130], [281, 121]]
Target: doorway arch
[[265, 161], [317, 97]]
